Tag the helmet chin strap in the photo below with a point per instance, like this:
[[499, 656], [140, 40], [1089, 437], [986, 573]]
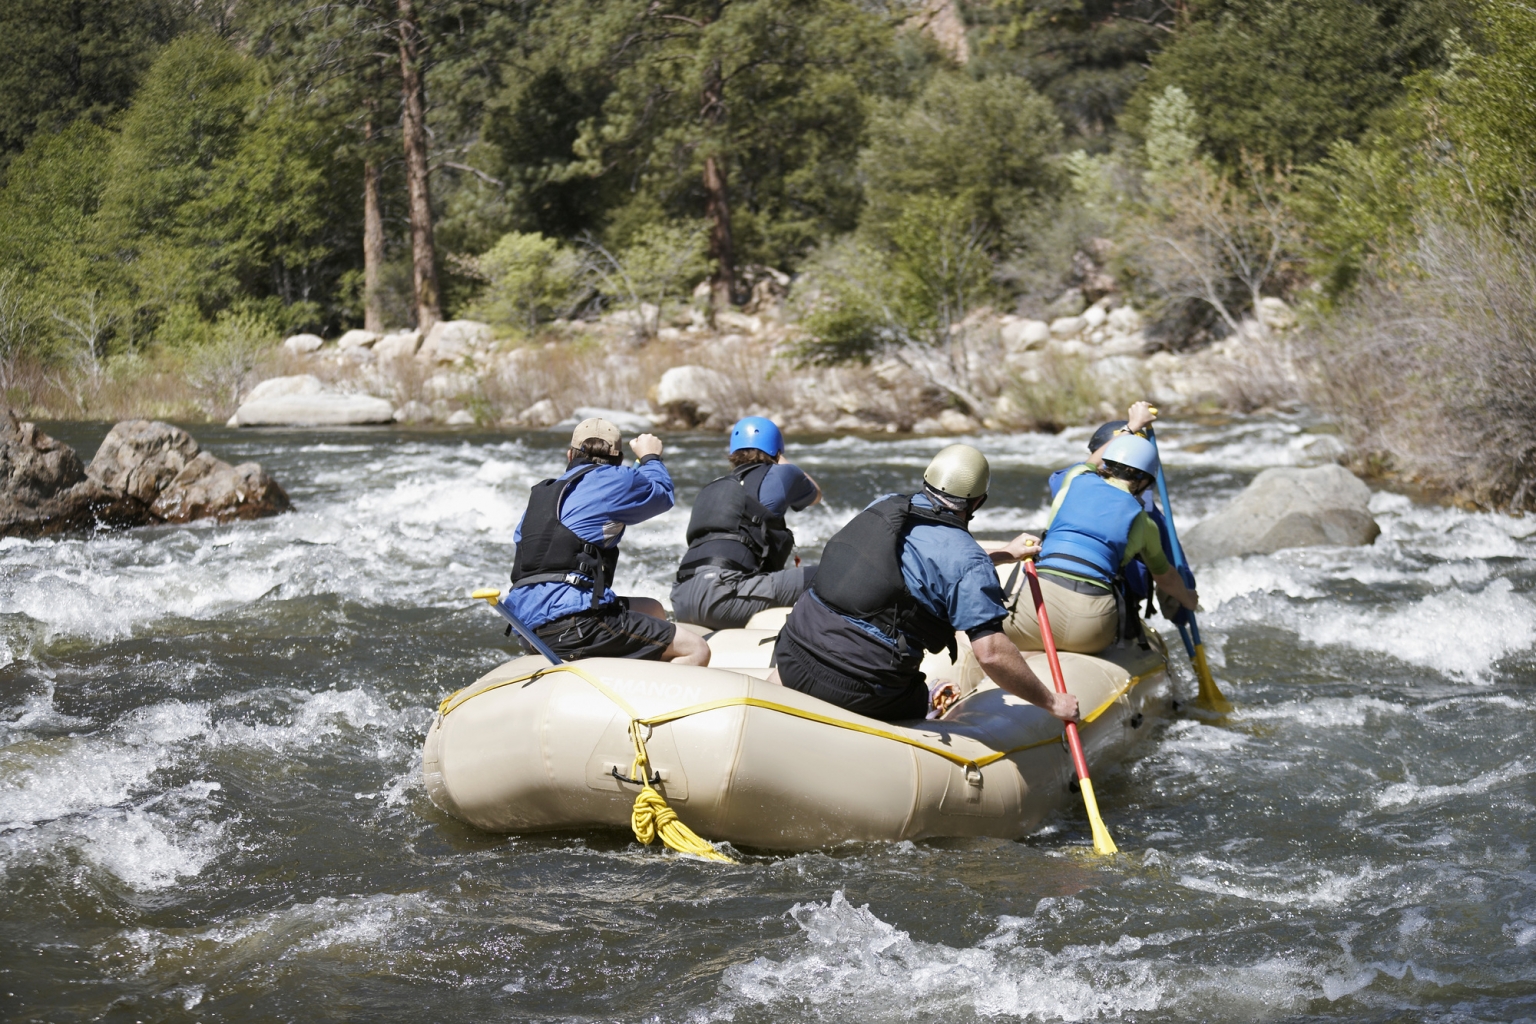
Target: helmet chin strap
[[967, 507]]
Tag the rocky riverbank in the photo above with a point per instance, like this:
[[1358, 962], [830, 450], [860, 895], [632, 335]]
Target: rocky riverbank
[[999, 372]]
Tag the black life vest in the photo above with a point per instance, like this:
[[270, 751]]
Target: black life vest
[[730, 527], [860, 575], [551, 552]]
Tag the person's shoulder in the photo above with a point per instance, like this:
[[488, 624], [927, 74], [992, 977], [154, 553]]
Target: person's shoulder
[[786, 470]]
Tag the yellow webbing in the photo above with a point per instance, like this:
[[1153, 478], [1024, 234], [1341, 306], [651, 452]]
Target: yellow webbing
[[652, 817]]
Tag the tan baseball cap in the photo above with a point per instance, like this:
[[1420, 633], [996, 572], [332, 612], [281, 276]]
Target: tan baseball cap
[[599, 428]]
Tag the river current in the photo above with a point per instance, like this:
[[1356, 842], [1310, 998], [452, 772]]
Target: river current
[[211, 804]]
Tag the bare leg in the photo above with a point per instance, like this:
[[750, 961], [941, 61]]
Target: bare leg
[[647, 606], [773, 677], [687, 649]]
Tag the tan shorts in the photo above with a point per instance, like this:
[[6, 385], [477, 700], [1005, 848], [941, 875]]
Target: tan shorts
[[1084, 623]]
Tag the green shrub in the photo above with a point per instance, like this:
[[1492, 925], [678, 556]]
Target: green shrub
[[528, 279]]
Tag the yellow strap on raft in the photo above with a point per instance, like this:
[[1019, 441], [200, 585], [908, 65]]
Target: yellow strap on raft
[[653, 817]]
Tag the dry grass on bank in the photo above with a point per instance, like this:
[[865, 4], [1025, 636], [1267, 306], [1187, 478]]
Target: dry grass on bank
[[1432, 373]]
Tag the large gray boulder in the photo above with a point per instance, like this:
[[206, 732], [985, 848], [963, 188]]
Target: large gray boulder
[[1288, 508], [144, 473], [165, 469], [303, 401], [44, 489]]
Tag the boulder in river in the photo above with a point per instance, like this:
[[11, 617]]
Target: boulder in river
[[303, 401], [44, 489], [1288, 508], [144, 472], [165, 469]]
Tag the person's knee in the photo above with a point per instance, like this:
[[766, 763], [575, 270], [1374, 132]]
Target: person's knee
[[647, 606], [687, 649]]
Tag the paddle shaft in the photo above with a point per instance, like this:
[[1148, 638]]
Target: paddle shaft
[[1210, 693], [528, 636], [1074, 740]]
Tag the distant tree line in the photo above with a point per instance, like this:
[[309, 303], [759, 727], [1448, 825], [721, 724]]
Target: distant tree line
[[173, 172]]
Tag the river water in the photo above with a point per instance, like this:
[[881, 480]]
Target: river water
[[211, 805]]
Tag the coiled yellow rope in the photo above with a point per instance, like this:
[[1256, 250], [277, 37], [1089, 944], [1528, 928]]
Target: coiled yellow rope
[[653, 817]]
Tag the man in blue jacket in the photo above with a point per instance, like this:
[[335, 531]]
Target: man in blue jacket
[[904, 576], [568, 548]]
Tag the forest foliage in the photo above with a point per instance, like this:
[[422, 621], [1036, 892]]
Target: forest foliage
[[174, 175]]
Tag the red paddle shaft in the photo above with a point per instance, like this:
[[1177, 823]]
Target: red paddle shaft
[[1074, 741]]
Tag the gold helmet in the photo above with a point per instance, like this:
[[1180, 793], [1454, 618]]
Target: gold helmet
[[959, 471]]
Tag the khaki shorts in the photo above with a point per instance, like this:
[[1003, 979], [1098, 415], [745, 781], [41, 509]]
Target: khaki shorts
[[1084, 623]]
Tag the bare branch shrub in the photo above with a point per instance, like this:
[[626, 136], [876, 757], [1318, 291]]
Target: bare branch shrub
[[1432, 371], [17, 329]]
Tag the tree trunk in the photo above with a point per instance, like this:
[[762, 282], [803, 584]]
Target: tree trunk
[[373, 237], [423, 250], [717, 207]]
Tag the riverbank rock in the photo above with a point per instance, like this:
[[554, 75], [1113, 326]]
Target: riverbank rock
[[450, 341], [690, 395], [397, 345], [303, 401], [165, 469], [303, 344], [1288, 508]]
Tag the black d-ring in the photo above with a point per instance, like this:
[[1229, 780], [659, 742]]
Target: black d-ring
[[655, 777]]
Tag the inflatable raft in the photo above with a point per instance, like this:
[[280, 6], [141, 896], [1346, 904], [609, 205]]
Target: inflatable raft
[[533, 747]]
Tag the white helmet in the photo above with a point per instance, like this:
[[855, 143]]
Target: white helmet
[[959, 471], [1133, 451]]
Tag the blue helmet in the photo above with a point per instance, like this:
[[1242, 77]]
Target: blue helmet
[[758, 432], [1134, 451]]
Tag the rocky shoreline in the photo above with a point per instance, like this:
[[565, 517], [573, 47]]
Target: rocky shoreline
[[1001, 372]]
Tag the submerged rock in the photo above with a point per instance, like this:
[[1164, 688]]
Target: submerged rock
[[303, 401], [144, 473], [1288, 508]]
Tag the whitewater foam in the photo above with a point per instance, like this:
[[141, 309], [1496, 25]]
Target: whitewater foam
[[851, 965]]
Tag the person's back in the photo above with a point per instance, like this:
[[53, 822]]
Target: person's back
[[568, 549], [900, 578], [1097, 529], [739, 545]]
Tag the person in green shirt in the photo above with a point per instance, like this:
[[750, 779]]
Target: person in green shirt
[[1099, 527]]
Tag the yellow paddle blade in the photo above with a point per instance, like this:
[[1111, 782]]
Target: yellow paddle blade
[[1209, 697], [1103, 845], [490, 594]]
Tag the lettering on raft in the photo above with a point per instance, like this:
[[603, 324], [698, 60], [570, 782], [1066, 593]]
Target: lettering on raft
[[677, 694]]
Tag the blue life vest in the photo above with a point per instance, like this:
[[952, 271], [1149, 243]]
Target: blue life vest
[[1087, 538]]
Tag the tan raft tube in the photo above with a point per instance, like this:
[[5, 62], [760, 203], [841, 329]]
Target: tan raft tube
[[552, 751]]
